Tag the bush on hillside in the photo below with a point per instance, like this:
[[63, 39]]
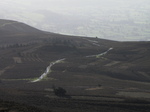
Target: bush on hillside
[[61, 92]]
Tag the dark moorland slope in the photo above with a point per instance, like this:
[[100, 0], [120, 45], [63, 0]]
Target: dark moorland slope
[[14, 27], [97, 74]]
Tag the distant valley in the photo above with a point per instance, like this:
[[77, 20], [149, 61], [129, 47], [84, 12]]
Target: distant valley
[[114, 20], [97, 74]]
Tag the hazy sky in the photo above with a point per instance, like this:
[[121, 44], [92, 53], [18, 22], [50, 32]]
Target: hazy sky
[[92, 11], [67, 4], [70, 7]]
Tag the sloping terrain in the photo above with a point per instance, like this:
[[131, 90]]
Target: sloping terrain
[[13, 32], [14, 27], [91, 70]]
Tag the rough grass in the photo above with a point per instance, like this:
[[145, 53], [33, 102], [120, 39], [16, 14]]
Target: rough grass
[[78, 75]]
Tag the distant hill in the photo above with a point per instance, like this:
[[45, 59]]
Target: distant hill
[[122, 62], [13, 27], [12, 32], [87, 68]]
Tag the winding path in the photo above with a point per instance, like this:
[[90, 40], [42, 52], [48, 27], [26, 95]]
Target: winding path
[[101, 54], [96, 44], [48, 70]]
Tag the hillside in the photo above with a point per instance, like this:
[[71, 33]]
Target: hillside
[[13, 32], [14, 27], [94, 72]]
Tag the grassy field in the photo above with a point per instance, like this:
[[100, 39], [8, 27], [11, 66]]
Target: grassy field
[[113, 81]]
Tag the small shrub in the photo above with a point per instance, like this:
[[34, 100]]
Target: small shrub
[[59, 91], [99, 85]]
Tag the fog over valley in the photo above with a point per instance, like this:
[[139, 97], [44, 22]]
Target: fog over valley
[[74, 55], [123, 20]]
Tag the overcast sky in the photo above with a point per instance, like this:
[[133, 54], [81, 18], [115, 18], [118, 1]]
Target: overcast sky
[[67, 4], [70, 6], [27, 11]]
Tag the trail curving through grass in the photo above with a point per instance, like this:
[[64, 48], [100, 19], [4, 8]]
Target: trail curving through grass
[[101, 54], [48, 70]]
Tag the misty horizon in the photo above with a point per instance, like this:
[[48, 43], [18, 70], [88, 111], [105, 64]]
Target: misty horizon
[[109, 19]]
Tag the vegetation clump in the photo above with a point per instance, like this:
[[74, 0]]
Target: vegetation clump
[[61, 92]]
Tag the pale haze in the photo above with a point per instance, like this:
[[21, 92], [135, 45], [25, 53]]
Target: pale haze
[[123, 20]]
